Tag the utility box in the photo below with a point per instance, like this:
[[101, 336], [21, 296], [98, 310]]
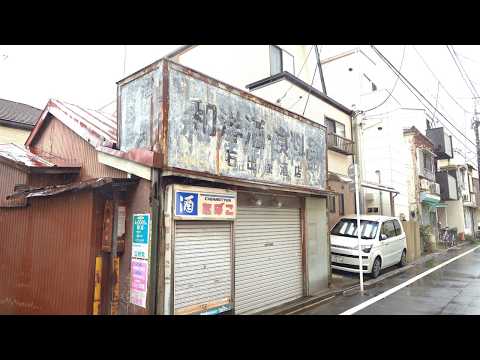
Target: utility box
[[442, 143]]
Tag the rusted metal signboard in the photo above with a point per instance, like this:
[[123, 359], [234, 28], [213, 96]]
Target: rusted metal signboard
[[215, 131], [175, 118]]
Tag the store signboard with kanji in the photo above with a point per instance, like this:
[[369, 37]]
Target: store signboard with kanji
[[195, 203]]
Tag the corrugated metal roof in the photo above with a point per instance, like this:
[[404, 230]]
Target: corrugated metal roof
[[22, 156], [95, 127], [52, 190], [18, 113]]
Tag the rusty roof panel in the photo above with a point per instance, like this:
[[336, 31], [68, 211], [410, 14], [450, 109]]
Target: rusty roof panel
[[95, 127], [52, 190], [25, 158]]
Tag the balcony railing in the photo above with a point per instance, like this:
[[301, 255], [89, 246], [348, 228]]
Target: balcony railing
[[340, 144]]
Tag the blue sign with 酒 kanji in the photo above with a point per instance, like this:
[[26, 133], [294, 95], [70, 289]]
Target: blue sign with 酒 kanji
[[186, 203]]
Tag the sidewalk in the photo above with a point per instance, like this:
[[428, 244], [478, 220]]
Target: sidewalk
[[349, 285]]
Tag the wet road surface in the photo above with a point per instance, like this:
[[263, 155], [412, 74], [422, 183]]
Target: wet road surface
[[451, 290]]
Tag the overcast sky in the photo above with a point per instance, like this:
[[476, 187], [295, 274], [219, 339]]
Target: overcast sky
[[87, 75]]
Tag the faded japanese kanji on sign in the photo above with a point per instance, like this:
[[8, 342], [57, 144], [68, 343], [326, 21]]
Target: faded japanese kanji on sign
[[216, 131]]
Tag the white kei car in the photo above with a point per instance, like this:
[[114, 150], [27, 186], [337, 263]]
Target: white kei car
[[383, 243]]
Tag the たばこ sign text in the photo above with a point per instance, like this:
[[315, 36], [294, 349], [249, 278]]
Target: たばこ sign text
[[205, 205]]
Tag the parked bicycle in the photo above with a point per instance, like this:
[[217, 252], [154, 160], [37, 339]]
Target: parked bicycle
[[448, 237]]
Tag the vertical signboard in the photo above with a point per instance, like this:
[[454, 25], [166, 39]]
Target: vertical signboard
[[138, 287], [141, 236], [140, 255]]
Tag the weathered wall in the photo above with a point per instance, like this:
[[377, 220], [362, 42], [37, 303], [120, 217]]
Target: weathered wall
[[9, 177], [414, 242], [138, 202], [455, 215], [59, 140], [11, 135], [44, 271], [318, 245]]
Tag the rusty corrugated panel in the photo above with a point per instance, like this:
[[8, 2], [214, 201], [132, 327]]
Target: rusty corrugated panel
[[9, 177], [47, 260], [21, 156], [58, 139], [138, 202], [93, 126], [52, 190]]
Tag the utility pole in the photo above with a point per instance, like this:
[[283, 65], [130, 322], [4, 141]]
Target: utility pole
[[319, 64], [476, 123]]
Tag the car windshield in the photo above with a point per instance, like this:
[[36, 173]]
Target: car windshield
[[348, 228]]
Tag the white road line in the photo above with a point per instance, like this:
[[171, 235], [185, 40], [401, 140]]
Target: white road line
[[402, 285]]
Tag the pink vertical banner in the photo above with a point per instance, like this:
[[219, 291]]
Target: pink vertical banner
[[139, 282]]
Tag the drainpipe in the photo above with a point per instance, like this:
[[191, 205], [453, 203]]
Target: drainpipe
[[114, 261], [155, 268]]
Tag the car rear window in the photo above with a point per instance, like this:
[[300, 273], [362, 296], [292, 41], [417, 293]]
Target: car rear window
[[348, 228], [388, 229], [398, 228]]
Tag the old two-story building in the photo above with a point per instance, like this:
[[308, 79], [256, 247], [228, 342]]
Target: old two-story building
[[16, 121], [462, 199], [288, 75], [424, 191], [235, 189]]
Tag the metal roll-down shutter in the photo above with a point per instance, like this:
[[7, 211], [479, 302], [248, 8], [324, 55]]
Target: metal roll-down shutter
[[202, 264], [268, 258]]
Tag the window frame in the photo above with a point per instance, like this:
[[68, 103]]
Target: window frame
[[335, 123], [331, 201], [282, 52], [341, 204], [397, 226], [381, 229]]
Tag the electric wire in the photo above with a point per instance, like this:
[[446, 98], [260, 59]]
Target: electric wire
[[405, 81], [394, 85], [464, 71], [436, 77], [473, 91]]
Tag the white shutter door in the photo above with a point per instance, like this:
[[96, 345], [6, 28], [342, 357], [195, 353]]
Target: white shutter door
[[268, 258], [202, 262]]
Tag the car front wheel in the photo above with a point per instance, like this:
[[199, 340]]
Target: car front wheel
[[377, 266]]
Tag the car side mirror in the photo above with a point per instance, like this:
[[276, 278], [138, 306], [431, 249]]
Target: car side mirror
[[383, 237]]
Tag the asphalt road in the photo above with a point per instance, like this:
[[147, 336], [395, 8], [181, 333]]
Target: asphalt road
[[453, 289]]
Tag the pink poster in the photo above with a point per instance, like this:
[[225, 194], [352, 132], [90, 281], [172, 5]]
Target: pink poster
[[139, 278]]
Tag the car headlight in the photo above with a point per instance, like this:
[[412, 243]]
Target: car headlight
[[366, 248]]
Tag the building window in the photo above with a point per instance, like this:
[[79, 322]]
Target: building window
[[372, 210], [427, 161], [331, 204], [341, 204], [335, 127], [281, 60]]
